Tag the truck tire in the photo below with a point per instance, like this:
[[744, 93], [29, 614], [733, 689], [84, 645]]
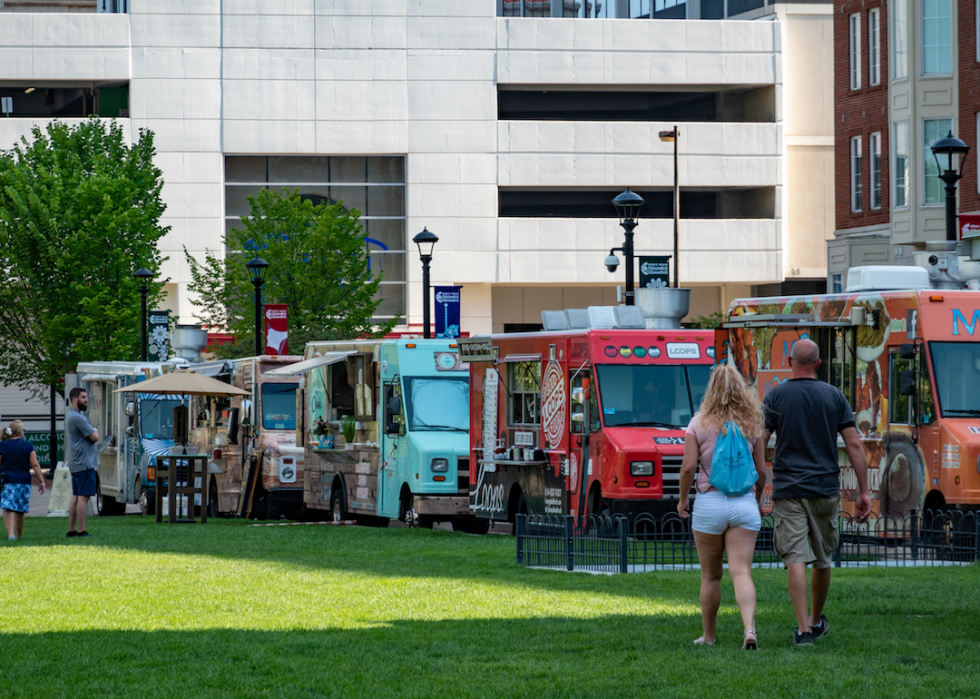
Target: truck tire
[[105, 505], [337, 504], [148, 503]]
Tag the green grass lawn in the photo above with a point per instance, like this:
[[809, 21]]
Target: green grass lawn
[[230, 610]]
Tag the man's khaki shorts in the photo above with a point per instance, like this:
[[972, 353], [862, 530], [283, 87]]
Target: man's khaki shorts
[[805, 530]]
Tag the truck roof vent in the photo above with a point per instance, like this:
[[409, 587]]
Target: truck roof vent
[[616, 317], [886, 278], [578, 318], [554, 320]]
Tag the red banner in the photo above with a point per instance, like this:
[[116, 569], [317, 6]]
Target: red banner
[[276, 329], [969, 226]]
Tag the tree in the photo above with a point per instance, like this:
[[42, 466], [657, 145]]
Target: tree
[[318, 265], [79, 212]]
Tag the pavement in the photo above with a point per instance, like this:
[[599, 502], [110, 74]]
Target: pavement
[[39, 502]]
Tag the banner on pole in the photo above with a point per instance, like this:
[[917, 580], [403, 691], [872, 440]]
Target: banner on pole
[[158, 336], [447, 311], [42, 446], [969, 227], [276, 329], [655, 272]]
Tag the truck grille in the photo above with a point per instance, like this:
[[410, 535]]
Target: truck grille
[[672, 477]]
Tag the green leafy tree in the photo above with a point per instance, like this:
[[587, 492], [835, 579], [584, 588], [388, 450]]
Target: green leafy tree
[[708, 322], [318, 265], [79, 212]]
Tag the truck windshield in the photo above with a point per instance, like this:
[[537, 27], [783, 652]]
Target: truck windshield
[[157, 416], [956, 366], [279, 406], [437, 404], [651, 395]]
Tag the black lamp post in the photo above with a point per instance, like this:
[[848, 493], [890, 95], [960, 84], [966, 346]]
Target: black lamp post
[[628, 205], [425, 241], [950, 146], [673, 137], [256, 270], [144, 275]]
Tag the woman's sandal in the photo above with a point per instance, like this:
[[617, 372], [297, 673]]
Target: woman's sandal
[[699, 641], [750, 642]]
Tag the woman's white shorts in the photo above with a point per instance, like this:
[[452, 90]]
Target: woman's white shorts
[[714, 512]]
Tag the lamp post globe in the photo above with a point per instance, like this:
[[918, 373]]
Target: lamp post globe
[[144, 276], [628, 205], [950, 146], [257, 268], [426, 241]]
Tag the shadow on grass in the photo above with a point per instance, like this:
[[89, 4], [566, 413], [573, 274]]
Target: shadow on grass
[[621, 656]]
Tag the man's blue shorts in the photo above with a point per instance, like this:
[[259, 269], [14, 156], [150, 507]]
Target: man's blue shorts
[[83, 483]]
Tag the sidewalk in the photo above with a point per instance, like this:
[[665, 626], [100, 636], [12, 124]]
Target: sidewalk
[[39, 503]]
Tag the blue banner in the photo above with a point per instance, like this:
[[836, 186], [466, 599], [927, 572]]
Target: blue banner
[[447, 311]]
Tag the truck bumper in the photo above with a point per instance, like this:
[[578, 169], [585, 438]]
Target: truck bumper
[[287, 496], [442, 504]]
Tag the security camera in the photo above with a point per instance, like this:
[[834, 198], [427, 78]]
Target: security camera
[[612, 262]]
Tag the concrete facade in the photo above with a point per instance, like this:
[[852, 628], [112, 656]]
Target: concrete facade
[[420, 79]]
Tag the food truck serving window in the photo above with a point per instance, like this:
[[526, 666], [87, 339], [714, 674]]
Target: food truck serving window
[[524, 383], [437, 404], [157, 416], [651, 395], [956, 366], [279, 406]]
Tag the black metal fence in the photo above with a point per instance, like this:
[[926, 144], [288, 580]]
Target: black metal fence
[[618, 544]]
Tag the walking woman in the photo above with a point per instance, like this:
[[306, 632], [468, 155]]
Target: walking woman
[[17, 458], [723, 523]]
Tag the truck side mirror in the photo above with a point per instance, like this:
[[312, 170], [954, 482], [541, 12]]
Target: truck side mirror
[[394, 406], [393, 429], [578, 395], [907, 351], [233, 426], [247, 412], [906, 382]]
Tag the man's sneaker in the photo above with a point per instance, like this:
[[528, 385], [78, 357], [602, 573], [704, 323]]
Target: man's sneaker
[[803, 639], [83, 535], [822, 629], [71, 535]]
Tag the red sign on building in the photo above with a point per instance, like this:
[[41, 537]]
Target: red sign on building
[[969, 226], [276, 329]]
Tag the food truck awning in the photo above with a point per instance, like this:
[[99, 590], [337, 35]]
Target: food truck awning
[[308, 364]]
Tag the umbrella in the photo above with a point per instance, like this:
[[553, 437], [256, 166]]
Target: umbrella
[[186, 382]]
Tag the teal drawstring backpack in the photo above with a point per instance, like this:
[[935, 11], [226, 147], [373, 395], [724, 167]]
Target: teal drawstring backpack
[[732, 469]]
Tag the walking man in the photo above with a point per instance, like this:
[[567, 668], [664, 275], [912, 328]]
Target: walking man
[[807, 414], [82, 458]]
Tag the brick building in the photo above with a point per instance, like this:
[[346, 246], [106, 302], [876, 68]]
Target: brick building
[[905, 74]]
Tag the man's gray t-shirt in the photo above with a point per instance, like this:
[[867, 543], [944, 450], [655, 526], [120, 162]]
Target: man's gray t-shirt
[[806, 415], [82, 453]]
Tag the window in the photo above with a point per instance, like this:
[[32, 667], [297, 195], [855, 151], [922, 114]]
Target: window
[[874, 48], [837, 284], [956, 366], [374, 185], [360, 373], [842, 363], [875, 144], [651, 395], [900, 40], [525, 393], [933, 130], [899, 406], [856, 173], [279, 406], [437, 404], [937, 37], [901, 170], [855, 51]]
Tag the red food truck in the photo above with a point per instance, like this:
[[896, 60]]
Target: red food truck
[[908, 361], [582, 421]]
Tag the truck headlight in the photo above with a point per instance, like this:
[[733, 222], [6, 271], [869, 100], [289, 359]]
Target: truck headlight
[[439, 465], [641, 468]]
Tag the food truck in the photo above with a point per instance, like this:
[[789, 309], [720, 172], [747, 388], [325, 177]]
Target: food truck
[[255, 465], [133, 427], [405, 405], [908, 359], [586, 418]]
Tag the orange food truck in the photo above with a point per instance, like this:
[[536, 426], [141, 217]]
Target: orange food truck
[[582, 420], [908, 360]]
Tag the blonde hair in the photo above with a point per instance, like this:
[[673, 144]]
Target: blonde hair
[[14, 431], [729, 399]]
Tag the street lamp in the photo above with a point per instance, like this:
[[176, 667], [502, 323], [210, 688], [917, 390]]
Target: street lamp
[[668, 137], [628, 206], [425, 241], [950, 146], [256, 270], [144, 276]]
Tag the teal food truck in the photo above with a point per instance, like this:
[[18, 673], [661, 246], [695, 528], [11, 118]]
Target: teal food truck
[[386, 431]]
